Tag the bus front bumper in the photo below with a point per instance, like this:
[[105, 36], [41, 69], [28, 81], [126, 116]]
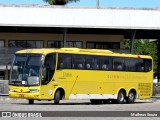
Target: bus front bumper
[[35, 96]]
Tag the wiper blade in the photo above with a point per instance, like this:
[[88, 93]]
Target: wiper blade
[[16, 82]]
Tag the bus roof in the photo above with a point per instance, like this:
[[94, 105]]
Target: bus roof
[[80, 51]]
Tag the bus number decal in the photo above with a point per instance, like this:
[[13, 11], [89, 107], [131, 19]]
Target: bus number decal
[[65, 74]]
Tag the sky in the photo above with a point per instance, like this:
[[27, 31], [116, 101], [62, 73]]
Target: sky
[[103, 3]]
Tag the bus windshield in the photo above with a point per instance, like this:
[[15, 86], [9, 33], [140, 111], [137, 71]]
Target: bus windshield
[[25, 70]]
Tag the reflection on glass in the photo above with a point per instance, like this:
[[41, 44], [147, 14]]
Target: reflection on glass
[[59, 44], [1, 43], [103, 45], [25, 44], [25, 70]]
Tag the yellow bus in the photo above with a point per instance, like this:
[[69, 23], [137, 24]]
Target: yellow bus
[[73, 73]]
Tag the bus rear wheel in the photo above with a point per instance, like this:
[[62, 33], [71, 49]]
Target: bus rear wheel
[[31, 101], [57, 97], [131, 97], [121, 97], [96, 101]]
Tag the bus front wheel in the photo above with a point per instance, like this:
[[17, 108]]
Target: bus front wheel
[[57, 97], [121, 97], [31, 101]]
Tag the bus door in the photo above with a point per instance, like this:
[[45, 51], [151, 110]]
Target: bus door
[[48, 70]]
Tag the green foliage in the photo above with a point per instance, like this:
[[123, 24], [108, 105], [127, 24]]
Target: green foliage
[[144, 47], [59, 2]]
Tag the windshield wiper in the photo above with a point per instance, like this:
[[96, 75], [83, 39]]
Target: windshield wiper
[[16, 81]]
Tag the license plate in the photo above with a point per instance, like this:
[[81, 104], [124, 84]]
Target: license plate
[[21, 95]]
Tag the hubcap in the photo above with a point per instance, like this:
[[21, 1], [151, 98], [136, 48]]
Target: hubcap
[[121, 97], [131, 96]]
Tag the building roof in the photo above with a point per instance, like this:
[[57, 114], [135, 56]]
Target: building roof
[[79, 17]]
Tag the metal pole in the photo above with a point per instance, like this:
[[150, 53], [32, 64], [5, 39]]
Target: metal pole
[[133, 33], [97, 3], [64, 37], [158, 69]]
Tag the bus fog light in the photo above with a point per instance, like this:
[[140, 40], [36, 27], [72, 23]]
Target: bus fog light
[[11, 90], [33, 90]]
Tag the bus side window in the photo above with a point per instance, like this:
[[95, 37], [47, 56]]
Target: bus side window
[[130, 64], [92, 62], [140, 65], [80, 66], [118, 63], [104, 67], [88, 66], [78, 61], [147, 65], [64, 61], [118, 66], [105, 63]]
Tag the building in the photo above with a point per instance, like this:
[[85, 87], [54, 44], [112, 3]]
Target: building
[[42, 26]]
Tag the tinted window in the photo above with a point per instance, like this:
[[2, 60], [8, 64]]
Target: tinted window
[[26, 43], [148, 65], [1, 43], [78, 61], [139, 65], [130, 64], [92, 62], [64, 61], [59, 44], [103, 45], [105, 63], [118, 63]]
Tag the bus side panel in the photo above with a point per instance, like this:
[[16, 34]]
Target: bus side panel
[[141, 82]]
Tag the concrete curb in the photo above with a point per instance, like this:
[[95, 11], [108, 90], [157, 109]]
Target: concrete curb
[[4, 95], [7, 98]]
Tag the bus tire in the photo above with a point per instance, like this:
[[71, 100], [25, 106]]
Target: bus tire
[[131, 97], [121, 97], [31, 101], [57, 97], [93, 101]]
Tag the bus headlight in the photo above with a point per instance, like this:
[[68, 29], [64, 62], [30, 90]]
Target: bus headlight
[[33, 90], [11, 90]]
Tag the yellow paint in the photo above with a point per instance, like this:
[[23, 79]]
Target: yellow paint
[[88, 81]]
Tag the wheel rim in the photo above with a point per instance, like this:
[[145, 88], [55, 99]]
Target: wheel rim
[[121, 97], [131, 96]]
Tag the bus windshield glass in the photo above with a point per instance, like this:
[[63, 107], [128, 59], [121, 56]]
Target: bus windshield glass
[[25, 70]]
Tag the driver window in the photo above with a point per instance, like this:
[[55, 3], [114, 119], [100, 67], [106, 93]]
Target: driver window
[[49, 64]]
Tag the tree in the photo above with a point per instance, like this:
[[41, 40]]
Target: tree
[[144, 47], [59, 2]]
